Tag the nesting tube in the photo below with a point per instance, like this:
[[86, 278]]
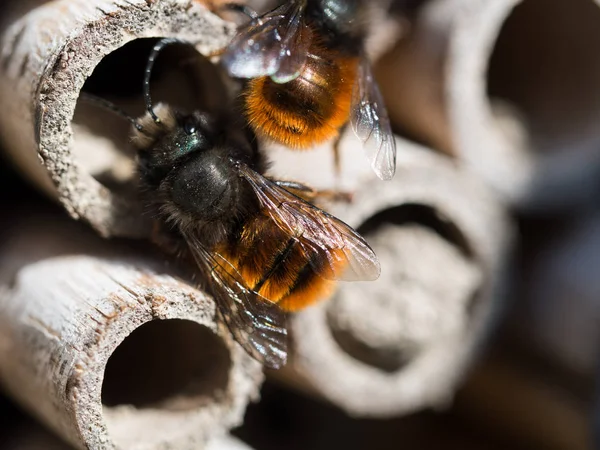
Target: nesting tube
[[112, 351], [508, 86], [47, 52], [404, 342]]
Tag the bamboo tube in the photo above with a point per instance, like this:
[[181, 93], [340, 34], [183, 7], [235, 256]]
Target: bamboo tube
[[110, 350], [47, 51], [508, 86], [403, 342]]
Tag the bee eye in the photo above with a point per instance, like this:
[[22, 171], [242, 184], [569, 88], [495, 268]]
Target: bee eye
[[189, 127]]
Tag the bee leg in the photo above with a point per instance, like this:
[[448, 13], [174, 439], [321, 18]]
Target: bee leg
[[237, 7], [311, 195], [167, 239], [337, 157], [217, 52], [334, 195], [171, 242], [337, 162]]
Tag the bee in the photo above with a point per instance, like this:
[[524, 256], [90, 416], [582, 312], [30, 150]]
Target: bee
[[261, 247], [309, 76]]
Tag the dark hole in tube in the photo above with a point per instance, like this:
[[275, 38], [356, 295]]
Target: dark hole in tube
[[170, 364], [188, 76], [389, 360], [393, 359], [423, 215], [545, 63], [181, 77]]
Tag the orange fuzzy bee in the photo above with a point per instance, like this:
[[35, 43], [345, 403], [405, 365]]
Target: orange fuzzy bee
[[309, 77]]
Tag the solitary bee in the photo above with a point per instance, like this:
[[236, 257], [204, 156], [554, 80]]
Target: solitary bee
[[310, 77], [262, 248]]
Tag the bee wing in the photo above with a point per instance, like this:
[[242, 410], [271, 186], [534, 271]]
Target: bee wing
[[371, 124], [257, 324], [274, 44], [333, 248]]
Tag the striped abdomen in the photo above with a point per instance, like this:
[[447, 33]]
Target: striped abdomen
[[274, 264]]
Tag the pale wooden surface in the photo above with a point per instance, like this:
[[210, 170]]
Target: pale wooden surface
[[68, 300]]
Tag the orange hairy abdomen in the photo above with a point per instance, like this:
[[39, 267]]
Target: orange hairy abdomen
[[309, 109], [273, 263]]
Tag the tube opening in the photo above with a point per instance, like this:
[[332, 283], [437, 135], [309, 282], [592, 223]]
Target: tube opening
[[388, 359], [171, 365], [181, 77], [422, 215], [544, 69], [396, 326]]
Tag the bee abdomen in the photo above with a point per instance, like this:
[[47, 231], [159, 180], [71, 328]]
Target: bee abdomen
[[275, 265], [290, 280], [309, 109]]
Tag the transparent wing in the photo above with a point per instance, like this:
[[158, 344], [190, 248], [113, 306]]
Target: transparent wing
[[371, 124], [257, 324], [274, 44], [333, 248]]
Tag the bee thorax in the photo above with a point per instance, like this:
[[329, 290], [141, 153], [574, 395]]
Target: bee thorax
[[204, 188]]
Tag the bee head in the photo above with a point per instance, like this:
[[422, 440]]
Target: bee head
[[163, 142]]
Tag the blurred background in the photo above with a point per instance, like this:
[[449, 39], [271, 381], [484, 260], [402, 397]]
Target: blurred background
[[533, 386]]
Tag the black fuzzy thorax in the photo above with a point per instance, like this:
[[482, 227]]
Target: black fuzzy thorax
[[190, 182]]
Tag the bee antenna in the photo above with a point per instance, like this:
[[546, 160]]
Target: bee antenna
[[103, 103], [148, 72]]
